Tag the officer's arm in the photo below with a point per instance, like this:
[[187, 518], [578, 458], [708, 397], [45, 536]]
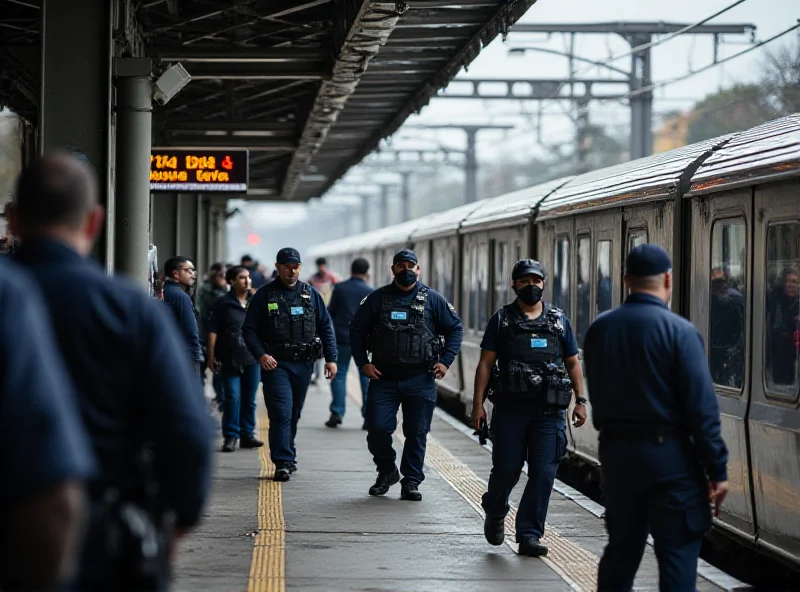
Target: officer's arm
[[325, 328], [571, 361], [177, 420], [448, 323], [360, 327], [696, 391], [252, 321], [488, 359]]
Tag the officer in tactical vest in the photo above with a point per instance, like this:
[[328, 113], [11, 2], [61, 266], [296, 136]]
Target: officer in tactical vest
[[530, 356], [402, 326], [287, 328]]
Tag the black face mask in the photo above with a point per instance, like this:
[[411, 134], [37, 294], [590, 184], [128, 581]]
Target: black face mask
[[529, 295], [406, 278]]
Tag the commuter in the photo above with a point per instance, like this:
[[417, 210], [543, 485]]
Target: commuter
[[212, 289], [322, 281], [256, 277], [180, 275], [140, 403]]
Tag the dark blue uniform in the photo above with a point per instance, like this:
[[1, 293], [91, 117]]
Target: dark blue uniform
[[135, 388], [525, 430], [178, 301], [651, 391], [285, 387], [411, 385]]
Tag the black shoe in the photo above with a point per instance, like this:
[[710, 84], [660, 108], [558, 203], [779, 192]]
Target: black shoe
[[410, 492], [292, 467], [334, 421], [494, 530], [531, 547], [250, 442], [282, 473], [229, 445], [384, 482]]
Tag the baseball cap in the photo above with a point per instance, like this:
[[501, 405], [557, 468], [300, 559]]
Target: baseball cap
[[646, 260], [287, 256], [405, 255], [525, 267]]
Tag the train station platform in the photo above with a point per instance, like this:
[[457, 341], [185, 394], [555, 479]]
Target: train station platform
[[321, 531]]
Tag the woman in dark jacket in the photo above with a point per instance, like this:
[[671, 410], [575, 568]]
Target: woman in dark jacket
[[240, 371]]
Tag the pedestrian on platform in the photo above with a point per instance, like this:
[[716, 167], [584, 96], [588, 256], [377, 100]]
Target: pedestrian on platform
[[402, 325], [239, 370], [139, 399], [345, 300], [323, 281], [45, 455], [287, 328], [533, 347], [661, 452], [180, 275]]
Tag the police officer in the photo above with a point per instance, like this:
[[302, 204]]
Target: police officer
[[653, 403], [401, 325], [536, 356], [287, 328]]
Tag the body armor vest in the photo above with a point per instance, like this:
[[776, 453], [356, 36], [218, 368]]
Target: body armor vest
[[402, 337], [291, 327]]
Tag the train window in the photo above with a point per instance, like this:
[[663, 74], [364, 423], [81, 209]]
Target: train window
[[603, 276], [636, 237], [561, 275], [444, 268], [472, 270], [482, 264], [727, 302], [502, 274], [782, 333], [584, 287]]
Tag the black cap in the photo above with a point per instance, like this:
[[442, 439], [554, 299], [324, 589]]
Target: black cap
[[525, 267], [646, 260], [405, 255], [287, 256]]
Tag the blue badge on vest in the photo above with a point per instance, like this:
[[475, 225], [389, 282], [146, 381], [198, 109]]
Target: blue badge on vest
[[399, 315], [537, 343], [297, 311]]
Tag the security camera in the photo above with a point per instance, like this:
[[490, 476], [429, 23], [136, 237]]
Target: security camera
[[170, 83]]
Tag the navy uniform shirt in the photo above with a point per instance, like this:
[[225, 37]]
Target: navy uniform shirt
[[345, 300], [255, 329], [43, 442], [440, 318], [646, 366], [568, 347], [133, 379], [178, 301]]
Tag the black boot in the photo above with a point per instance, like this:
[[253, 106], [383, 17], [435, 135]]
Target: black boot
[[250, 442], [334, 421], [494, 530], [384, 482], [229, 445], [531, 547], [282, 473], [410, 492]]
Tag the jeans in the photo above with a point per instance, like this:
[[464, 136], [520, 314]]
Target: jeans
[[285, 390], [417, 396], [339, 384], [239, 405]]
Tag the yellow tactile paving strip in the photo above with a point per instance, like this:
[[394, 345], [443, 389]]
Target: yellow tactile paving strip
[[268, 567]]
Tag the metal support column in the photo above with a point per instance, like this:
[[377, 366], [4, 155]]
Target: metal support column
[[134, 109], [384, 206], [641, 104], [405, 195], [364, 213], [471, 167]]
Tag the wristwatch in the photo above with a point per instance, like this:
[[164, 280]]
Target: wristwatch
[[580, 401]]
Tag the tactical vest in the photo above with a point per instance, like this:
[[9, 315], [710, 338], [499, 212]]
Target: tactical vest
[[402, 337], [291, 327], [529, 357]]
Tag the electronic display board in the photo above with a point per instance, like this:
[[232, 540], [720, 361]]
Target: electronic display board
[[180, 169]]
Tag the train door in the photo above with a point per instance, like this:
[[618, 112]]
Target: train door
[[774, 420], [646, 224], [721, 304]]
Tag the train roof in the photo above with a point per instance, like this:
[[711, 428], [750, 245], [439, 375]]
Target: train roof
[[444, 222], [512, 207], [656, 176], [765, 153]]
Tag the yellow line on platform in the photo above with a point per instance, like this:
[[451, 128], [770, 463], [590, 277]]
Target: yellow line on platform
[[268, 567]]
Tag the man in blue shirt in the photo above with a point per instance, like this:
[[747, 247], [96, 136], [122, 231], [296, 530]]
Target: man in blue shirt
[[286, 329], [534, 348], [139, 400], [661, 450], [345, 300], [401, 325], [46, 456], [180, 274]]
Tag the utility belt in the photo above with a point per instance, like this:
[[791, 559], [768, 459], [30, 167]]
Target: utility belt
[[295, 352], [640, 433], [552, 386]]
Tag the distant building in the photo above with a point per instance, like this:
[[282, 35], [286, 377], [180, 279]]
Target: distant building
[[672, 134]]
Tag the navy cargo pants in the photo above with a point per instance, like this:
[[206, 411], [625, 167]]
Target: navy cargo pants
[[417, 396], [524, 430], [285, 390], [657, 488]]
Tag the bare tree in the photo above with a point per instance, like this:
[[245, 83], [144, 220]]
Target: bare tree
[[781, 79]]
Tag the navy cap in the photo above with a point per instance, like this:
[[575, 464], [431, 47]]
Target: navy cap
[[525, 267], [405, 255], [646, 260], [287, 256]]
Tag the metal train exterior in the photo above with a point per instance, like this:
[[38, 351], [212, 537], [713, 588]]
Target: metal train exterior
[[728, 210]]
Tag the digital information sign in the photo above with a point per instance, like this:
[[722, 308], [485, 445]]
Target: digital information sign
[[175, 169]]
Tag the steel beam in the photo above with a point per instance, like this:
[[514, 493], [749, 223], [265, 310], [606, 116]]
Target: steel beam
[[235, 54], [252, 143], [278, 127], [536, 89], [623, 28], [257, 71]]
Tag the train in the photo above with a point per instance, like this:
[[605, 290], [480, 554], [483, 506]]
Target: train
[[728, 211]]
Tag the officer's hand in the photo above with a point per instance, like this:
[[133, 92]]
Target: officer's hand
[[478, 414], [716, 493], [268, 362], [371, 372], [211, 363], [579, 415], [330, 370], [439, 370]]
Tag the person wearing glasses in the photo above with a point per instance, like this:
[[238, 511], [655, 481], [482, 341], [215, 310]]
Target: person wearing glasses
[[180, 275]]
